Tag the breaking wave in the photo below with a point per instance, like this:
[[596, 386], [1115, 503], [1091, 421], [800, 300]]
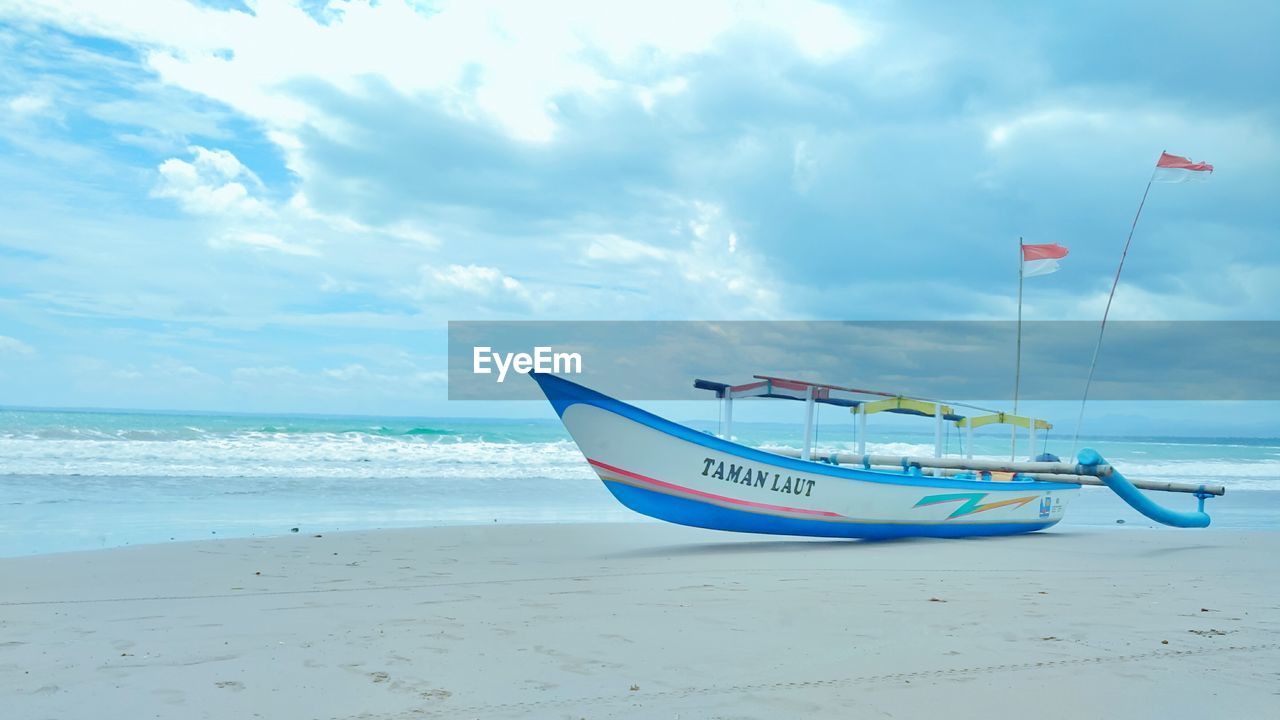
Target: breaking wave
[[158, 446], [277, 455]]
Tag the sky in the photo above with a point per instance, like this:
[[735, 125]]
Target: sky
[[278, 206]]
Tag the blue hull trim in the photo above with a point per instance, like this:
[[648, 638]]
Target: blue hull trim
[[563, 393], [693, 513]]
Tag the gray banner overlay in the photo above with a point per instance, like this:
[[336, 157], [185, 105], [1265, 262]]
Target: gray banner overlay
[[958, 360]]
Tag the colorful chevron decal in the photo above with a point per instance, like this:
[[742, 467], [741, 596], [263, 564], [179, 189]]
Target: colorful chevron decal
[[972, 503]]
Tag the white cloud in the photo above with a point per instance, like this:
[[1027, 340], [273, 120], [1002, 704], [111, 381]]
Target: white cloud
[[1100, 126], [504, 62], [496, 65], [1047, 120], [213, 183], [617, 249], [705, 270], [273, 374], [180, 371], [740, 282], [804, 167], [354, 371], [331, 284], [29, 104], [261, 241], [347, 378], [478, 280], [127, 374], [1252, 295], [431, 377], [14, 346], [651, 94], [299, 207]]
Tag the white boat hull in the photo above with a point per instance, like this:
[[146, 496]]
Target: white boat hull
[[675, 473]]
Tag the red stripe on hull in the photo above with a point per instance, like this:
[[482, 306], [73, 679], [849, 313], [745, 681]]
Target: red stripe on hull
[[709, 496]]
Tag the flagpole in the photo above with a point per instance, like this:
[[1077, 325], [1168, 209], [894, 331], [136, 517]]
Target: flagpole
[[1017, 363], [1075, 441]]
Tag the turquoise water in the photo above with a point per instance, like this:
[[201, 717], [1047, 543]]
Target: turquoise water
[[81, 480]]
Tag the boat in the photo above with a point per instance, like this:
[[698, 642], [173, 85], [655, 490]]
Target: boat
[[681, 475]]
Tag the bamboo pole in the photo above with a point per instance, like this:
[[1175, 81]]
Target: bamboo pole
[[728, 416], [1102, 327], [1140, 484], [937, 433], [1017, 362], [862, 428], [955, 463], [808, 423], [1041, 471]]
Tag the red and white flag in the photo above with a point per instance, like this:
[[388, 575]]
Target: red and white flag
[[1177, 169], [1041, 259]]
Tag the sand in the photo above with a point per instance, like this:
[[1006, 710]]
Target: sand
[[646, 621]]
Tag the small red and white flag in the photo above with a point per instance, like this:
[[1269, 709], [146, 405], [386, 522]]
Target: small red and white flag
[[1041, 259], [1177, 169]]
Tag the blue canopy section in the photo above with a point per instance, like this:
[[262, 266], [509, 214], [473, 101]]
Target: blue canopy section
[[721, 389]]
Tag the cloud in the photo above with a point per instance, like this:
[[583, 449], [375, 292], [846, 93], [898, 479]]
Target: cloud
[[13, 346], [617, 249], [172, 370], [508, 63], [1051, 120], [213, 183], [354, 371], [392, 166], [262, 241], [476, 280], [127, 374], [29, 104], [272, 374], [351, 384]]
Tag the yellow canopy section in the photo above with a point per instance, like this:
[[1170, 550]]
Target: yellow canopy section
[[908, 405], [1002, 419]]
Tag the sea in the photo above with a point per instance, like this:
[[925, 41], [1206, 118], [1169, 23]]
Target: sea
[[83, 480]]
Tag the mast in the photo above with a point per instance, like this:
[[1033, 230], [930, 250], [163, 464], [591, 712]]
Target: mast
[[1102, 327], [1017, 363]]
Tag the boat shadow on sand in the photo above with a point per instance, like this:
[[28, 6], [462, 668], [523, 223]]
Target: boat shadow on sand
[[748, 546]]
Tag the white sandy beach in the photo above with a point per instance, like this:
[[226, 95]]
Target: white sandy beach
[[646, 621]]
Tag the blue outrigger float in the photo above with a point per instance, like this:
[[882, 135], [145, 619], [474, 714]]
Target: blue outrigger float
[[674, 473]]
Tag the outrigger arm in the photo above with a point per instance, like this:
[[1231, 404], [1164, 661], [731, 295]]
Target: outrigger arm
[[1090, 469], [1143, 504]]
